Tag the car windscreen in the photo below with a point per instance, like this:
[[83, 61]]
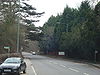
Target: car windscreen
[[12, 60]]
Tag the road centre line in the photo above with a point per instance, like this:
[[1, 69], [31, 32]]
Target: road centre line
[[53, 62], [34, 70], [50, 61], [73, 69], [68, 68], [85, 74], [56, 63], [62, 65], [65, 67]]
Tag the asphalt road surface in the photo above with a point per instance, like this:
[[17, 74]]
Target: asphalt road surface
[[41, 65]]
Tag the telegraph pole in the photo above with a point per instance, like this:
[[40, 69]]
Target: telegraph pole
[[18, 29]]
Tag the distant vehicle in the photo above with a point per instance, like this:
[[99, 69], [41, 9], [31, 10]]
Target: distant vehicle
[[13, 65], [33, 53]]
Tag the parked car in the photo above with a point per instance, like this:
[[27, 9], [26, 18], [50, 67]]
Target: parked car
[[13, 65]]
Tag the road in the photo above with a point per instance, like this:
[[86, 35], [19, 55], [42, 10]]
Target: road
[[42, 65]]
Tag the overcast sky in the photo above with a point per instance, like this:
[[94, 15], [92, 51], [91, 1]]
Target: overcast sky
[[52, 7]]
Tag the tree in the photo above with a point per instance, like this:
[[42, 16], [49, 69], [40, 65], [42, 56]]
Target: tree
[[75, 31], [47, 41], [28, 11], [66, 21], [11, 11], [97, 22], [8, 26]]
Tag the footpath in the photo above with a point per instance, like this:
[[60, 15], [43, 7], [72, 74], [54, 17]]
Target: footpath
[[29, 70], [95, 65]]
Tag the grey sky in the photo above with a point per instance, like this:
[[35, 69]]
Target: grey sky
[[52, 7]]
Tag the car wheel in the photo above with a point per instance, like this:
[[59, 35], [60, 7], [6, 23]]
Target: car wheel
[[24, 71], [18, 73]]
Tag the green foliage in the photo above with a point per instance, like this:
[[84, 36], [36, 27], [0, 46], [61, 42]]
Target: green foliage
[[28, 11], [47, 41], [8, 24], [76, 31], [33, 33], [12, 14], [97, 28]]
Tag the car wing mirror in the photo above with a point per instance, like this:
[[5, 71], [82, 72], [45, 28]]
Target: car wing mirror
[[22, 62]]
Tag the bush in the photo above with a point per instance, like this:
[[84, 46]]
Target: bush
[[4, 56]]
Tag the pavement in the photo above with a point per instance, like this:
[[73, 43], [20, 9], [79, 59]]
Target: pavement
[[29, 70], [95, 65]]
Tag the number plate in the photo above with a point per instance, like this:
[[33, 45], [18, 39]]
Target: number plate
[[7, 70]]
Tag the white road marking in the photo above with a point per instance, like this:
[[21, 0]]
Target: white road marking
[[73, 69], [85, 73], [65, 67], [34, 70], [50, 61], [62, 65], [55, 63]]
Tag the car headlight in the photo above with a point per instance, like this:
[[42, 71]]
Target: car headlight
[[0, 70], [15, 69]]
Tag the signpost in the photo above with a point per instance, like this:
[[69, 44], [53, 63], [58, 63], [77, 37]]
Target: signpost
[[8, 48], [95, 56]]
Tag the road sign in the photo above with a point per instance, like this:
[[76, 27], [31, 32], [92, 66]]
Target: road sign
[[8, 49], [5, 47], [61, 53], [96, 51]]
